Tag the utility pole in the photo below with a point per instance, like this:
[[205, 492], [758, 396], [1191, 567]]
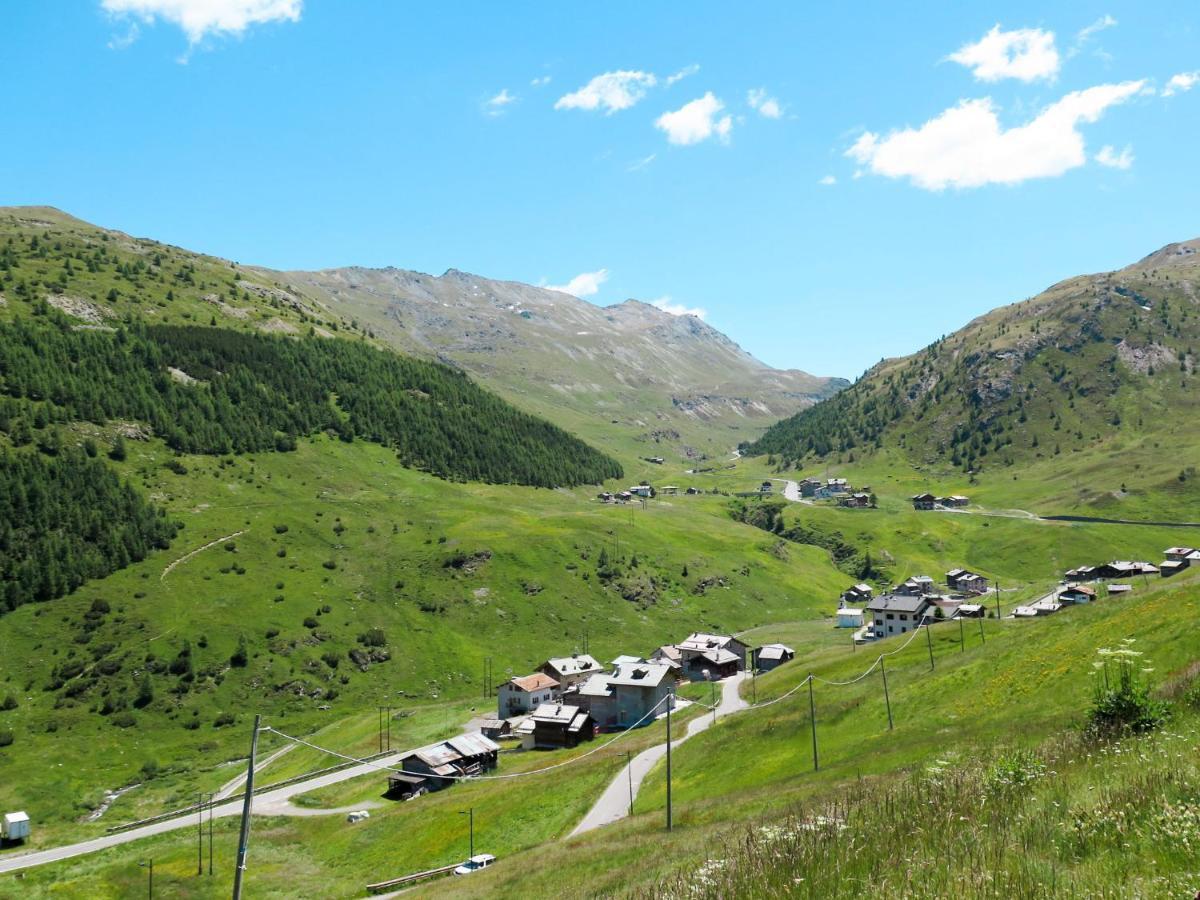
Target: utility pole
[[149, 864], [886, 697], [714, 700], [200, 833], [670, 703], [629, 770], [929, 641], [962, 640], [211, 800], [981, 637], [471, 813], [999, 612], [244, 837], [812, 717]]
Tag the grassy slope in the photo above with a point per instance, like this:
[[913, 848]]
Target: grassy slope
[[400, 527], [1028, 681]]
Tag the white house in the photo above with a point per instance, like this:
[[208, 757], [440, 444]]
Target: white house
[[521, 696], [897, 613]]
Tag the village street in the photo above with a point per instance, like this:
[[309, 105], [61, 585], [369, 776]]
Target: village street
[[613, 804]]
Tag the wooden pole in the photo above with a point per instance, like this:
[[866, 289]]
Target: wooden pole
[[886, 697], [244, 837], [200, 834], [962, 640], [211, 799], [999, 612], [670, 703], [981, 636], [629, 771], [929, 641], [812, 716]]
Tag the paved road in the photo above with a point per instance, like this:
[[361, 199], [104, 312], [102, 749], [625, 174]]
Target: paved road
[[274, 803], [613, 804], [234, 784]]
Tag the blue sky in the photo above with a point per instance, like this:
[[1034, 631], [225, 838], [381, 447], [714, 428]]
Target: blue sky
[[971, 155]]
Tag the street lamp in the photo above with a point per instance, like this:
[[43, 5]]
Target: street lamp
[[149, 864], [470, 812]]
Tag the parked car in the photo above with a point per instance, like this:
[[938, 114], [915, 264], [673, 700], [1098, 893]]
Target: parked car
[[475, 863]]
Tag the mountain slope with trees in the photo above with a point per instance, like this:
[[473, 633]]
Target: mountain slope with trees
[[1092, 363]]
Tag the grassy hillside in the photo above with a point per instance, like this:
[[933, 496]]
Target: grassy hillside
[[745, 789], [351, 581], [1093, 377]]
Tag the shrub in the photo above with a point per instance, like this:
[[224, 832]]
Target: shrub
[[124, 719], [6, 737], [310, 622], [10, 702], [373, 637], [281, 529], [330, 564], [1013, 771], [239, 658], [1122, 702], [225, 718]]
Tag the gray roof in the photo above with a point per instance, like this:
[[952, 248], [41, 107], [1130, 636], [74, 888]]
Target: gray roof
[[642, 674], [573, 665], [778, 651], [898, 603], [555, 712]]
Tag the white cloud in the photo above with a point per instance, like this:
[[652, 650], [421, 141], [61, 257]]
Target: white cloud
[[542, 81], [1184, 81], [1108, 156], [966, 147], [695, 122], [1026, 54], [585, 284], [199, 18], [683, 73], [828, 181], [126, 40], [1087, 33], [668, 305], [495, 106], [641, 163], [766, 106], [612, 91]]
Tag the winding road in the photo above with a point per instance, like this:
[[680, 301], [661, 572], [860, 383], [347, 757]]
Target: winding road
[[270, 803], [613, 804]]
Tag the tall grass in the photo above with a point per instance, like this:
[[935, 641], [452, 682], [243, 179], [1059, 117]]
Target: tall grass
[[1079, 818]]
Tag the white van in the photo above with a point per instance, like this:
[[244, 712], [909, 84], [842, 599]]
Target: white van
[[475, 863]]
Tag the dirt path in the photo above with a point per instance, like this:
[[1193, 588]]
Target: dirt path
[[198, 550]]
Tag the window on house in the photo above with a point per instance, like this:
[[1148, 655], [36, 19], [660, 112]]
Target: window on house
[[903, 617], [890, 616]]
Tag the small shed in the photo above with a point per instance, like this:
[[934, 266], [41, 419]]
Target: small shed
[[849, 617], [769, 656]]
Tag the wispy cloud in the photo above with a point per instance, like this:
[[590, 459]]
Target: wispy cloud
[[641, 163], [1027, 54], [668, 305], [585, 284], [966, 147], [126, 40], [1085, 34], [683, 73], [541, 81], [767, 107], [828, 181], [1108, 156], [1180, 83], [200, 18], [696, 121], [498, 105], [612, 92]]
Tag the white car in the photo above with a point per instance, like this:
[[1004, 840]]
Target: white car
[[475, 863]]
